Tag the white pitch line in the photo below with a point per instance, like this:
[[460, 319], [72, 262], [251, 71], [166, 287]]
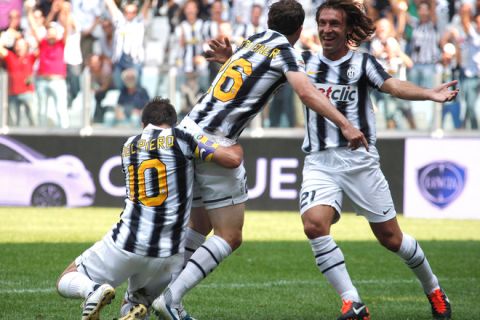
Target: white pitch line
[[31, 290], [267, 284]]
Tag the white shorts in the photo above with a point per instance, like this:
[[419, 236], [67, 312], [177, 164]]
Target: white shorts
[[147, 277], [215, 186], [328, 174]]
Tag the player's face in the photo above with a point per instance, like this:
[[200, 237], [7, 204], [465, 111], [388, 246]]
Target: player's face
[[332, 30]]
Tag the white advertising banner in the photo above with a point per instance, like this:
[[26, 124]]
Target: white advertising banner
[[442, 178]]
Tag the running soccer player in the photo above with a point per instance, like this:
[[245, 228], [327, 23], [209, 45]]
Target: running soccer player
[[146, 246], [346, 77], [239, 92]]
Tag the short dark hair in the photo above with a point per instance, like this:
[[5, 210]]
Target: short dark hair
[[159, 111], [359, 26], [286, 17]]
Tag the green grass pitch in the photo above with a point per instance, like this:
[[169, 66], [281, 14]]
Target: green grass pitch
[[272, 276]]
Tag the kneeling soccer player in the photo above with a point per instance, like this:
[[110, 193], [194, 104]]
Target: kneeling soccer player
[[146, 246]]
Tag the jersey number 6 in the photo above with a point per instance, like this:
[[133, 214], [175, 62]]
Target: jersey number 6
[[160, 172], [232, 71]]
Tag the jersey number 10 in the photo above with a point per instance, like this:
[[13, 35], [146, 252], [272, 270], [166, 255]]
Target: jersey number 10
[[161, 178]]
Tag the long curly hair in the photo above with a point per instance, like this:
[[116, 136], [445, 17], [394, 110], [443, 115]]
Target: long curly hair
[[359, 26]]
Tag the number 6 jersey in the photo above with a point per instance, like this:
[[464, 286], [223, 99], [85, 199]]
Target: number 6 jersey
[[245, 82]]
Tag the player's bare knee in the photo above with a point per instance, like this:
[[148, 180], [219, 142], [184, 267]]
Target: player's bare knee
[[391, 241], [235, 242], [314, 230]]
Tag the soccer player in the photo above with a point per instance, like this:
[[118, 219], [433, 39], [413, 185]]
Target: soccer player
[[239, 92], [146, 246], [347, 76]]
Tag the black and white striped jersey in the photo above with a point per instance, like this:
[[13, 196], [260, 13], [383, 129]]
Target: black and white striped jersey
[[245, 30], [425, 44], [245, 82], [192, 35], [347, 82], [159, 176], [210, 30]]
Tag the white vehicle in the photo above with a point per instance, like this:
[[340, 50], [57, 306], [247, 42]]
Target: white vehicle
[[28, 178]]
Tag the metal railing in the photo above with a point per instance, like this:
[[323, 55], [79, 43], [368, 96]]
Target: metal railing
[[163, 81]]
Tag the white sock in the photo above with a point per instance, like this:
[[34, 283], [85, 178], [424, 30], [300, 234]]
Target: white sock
[[331, 263], [193, 240], [75, 285], [204, 260], [411, 252]]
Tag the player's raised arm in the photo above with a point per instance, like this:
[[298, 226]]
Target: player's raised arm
[[319, 103]]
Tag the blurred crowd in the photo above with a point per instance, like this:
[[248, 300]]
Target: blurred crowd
[[128, 50]]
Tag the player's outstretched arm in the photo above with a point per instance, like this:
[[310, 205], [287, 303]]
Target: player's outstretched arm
[[319, 103], [409, 91]]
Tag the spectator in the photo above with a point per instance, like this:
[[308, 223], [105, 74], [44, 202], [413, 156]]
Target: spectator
[[106, 41], [131, 101], [212, 30], [129, 33], [8, 6], [386, 49], [87, 14], [471, 79], [52, 70], [193, 64], [13, 31], [101, 81], [171, 9], [211, 26], [73, 53], [39, 22], [253, 26], [424, 47], [281, 109], [449, 70], [20, 79], [241, 10]]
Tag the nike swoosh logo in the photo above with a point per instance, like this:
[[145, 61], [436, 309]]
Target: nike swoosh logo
[[357, 311], [385, 212]]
